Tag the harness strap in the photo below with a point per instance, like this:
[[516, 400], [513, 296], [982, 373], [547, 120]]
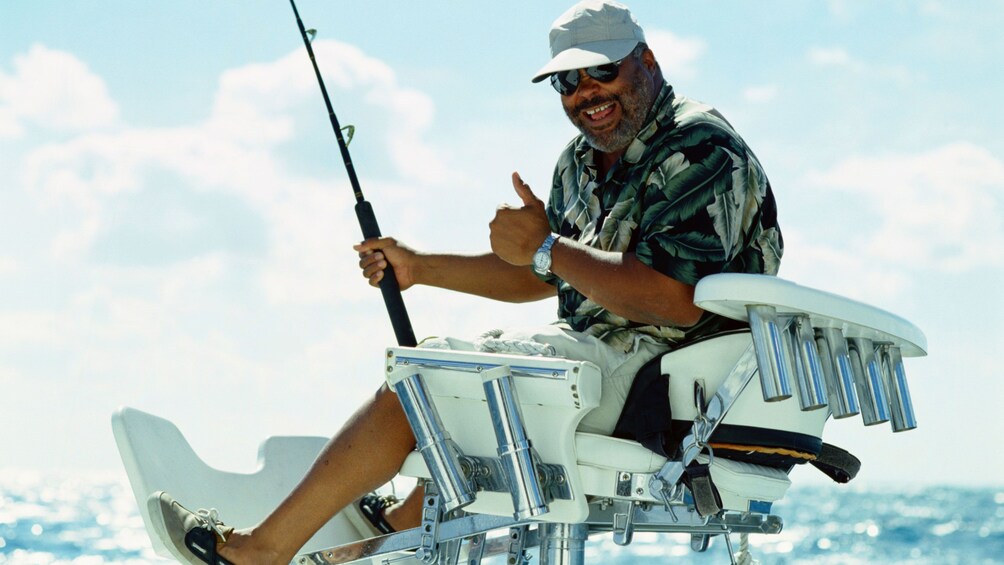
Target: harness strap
[[834, 462], [707, 500], [837, 463]]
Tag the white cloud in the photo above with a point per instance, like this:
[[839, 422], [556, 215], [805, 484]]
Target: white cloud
[[839, 9], [838, 57], [8, 265], [844, 269], [72, 243], [676, 55], [415, 159], [937, 9], [252, 113], [253, 103], [761, 93], [150, 336], [53, 89], [234, 152], [834, 56], [940, 209], [25, 327], [9, 125]]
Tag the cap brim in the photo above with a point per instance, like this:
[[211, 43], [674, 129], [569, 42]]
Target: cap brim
[[587, 55]]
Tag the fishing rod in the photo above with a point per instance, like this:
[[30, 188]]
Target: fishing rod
[[364, 211]]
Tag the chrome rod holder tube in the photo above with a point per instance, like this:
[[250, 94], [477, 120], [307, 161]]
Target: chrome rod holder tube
[[776, 367], [837, 370], [440, 452], [868, 379], [894, 374], [808, 369], [562, 544], [514, 447]]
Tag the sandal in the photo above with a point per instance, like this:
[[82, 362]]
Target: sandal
[[373, 506]]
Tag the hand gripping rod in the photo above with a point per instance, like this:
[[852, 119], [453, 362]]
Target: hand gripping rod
[[364, 212]]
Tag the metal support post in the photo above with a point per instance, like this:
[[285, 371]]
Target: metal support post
[[563, 544]]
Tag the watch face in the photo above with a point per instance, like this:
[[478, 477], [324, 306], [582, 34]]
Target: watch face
[[541, 262]]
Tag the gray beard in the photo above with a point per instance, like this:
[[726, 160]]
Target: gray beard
[[634, 104]]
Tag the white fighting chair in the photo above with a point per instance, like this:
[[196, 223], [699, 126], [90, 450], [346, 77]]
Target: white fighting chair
[[498, 452]]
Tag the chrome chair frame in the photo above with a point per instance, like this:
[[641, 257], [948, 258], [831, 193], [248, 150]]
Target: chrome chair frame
[[829, 359]]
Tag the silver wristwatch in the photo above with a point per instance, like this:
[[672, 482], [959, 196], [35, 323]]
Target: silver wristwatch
[[542, 258]]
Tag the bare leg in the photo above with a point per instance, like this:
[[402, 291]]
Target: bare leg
[[363, 455], [407, 513]]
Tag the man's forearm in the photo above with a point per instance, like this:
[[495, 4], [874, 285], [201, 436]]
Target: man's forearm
[[482, 275], [624, 285]]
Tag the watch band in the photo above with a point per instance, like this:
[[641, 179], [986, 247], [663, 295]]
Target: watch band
[[542, 258]]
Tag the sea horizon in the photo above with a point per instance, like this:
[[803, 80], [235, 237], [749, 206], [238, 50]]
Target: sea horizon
[[92, 518]]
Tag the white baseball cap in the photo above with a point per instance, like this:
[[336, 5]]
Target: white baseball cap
[[593, 32]]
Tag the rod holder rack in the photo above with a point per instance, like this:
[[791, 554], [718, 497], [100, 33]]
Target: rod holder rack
[[894, 377], [776, 366], [514, 447], [440, 452], [869, 382], [837, 370], [808, 367]]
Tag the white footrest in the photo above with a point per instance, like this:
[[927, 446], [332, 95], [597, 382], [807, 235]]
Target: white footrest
[[158, 457], [743, 485], [618, 468]]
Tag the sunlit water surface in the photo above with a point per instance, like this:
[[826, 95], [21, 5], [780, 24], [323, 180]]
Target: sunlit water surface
[[52, 519]]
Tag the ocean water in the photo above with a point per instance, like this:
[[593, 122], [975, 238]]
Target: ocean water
[[48, 520]]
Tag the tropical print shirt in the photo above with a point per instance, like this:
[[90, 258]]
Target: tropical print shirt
[[688, 198]]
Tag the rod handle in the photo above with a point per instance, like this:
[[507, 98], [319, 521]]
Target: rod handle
[[388, 285]]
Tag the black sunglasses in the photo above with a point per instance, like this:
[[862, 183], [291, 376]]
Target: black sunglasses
[[566, 82]]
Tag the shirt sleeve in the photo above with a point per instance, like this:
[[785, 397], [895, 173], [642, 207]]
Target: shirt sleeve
[[696, 210]]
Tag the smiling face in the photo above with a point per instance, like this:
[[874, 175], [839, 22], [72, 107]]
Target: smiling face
[[611, 114]]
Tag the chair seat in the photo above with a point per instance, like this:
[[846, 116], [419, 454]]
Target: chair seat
[[614, 453]]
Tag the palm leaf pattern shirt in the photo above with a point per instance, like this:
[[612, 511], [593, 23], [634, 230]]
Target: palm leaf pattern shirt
[[688, 198]]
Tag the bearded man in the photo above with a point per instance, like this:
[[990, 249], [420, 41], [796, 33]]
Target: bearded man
[[655, 193]]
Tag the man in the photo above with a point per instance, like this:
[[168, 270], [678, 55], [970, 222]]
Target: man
[[657, 192]]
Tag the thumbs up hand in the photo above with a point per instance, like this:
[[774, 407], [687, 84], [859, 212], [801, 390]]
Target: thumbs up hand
[[516, 233]]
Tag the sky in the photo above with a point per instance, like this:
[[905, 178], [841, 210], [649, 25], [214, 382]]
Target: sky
[[176, 222]]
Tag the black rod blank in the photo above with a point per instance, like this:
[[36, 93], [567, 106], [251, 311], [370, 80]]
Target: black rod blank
[[364, 212]]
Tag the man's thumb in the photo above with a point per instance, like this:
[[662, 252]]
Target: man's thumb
[[523, 190]]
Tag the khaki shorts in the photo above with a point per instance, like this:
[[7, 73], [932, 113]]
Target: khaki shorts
[[618, 368]]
